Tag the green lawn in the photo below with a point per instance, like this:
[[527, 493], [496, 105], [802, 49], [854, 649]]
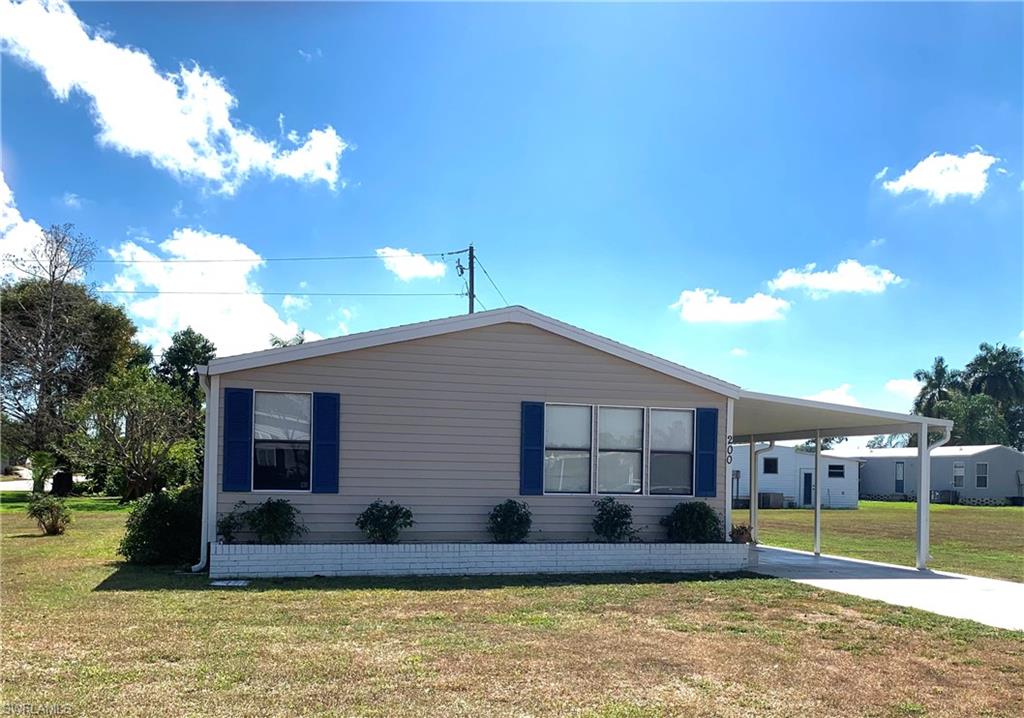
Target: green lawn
[[83, 632], [976, 540]]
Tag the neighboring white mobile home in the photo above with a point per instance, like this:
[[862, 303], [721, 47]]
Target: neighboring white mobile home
[[987, 474], [789, 471]]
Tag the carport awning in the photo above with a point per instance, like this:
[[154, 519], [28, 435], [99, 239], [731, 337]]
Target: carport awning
[[770, 417]]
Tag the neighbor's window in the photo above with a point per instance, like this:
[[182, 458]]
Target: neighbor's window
[[280, 432], [567, 449], [900, 484], [771, 465], [620, 450], [959, 471], [836, 471], [981, 475], [671, 452]]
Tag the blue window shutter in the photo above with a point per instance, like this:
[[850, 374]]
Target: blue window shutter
[[707, 452], [531, 449], [237, 439], [326, 442]]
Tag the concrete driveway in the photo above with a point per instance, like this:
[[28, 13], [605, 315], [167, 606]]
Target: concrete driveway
[[985, 600]]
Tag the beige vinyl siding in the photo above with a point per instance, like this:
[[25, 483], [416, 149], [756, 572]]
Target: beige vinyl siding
[[434, 424]]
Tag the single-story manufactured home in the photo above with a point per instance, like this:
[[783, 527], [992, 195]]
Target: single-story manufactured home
[[986, 475], [790, 472], [450, 417]]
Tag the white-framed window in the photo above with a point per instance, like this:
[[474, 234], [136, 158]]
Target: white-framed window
[[567, 444], [900, 482], [981, 475], [959, 471], [671, 452], [836, 471], [620, 450], [281, 430], [770, 465]]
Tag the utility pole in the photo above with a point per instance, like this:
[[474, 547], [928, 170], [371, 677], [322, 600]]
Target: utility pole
[[472, 277]]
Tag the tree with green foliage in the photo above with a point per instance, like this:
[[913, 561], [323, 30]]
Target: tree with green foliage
[[56, 338], [177, 368], [997, 371], [131, 423], [937, 384], [976, 418]]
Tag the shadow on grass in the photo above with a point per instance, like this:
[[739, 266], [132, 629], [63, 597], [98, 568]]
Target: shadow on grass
[[18, 501], [163, 578]]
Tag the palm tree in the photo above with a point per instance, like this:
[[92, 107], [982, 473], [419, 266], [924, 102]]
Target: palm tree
[[278, 342], [997, 371], [939, 384]]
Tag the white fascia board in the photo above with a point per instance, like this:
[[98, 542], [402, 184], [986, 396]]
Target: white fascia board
[[892, 416]]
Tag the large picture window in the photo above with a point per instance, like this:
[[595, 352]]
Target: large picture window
[[671, 452], [567, 442], [620, 450], [281, 441]]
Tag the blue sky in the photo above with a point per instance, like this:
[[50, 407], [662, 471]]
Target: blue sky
[[623, 168]]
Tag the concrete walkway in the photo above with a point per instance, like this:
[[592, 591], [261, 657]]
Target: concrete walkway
[[985, 600]]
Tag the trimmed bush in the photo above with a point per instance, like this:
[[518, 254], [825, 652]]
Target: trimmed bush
[[614, 520], [274, 521], [383, 522], [232, 523], [164, 528], [693, 522], [50, 513], [510, 521]]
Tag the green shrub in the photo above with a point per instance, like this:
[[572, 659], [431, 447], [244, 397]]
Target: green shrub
[[383, 522], [274, 521], [510, 521], [50, 513], [693, 522], [164, 528], [614, 520], [232, 523]]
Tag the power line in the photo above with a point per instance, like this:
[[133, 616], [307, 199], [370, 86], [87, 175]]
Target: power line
[[488, 275], [334, 258], [282, 294]]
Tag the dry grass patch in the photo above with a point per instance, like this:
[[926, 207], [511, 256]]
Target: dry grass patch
[[84, 631]]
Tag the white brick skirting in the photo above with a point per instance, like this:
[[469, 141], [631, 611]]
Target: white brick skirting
[[461, 559]]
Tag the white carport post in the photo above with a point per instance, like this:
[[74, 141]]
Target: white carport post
[[753, 490], [817, 492], [924, 495]]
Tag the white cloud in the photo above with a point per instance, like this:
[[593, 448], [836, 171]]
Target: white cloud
[[839, 395], [408, 266], [345, 316], [707, 305], [877, 242], [904, 388], [944, 176], [738, 352], [72, 200], [17, 235], [848, 276], [292, 303], [880, 174], [181, 121], [303, 284], [234, 322]]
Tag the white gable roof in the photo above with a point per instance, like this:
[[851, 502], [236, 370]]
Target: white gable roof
[[438, 327], [911, 452]]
